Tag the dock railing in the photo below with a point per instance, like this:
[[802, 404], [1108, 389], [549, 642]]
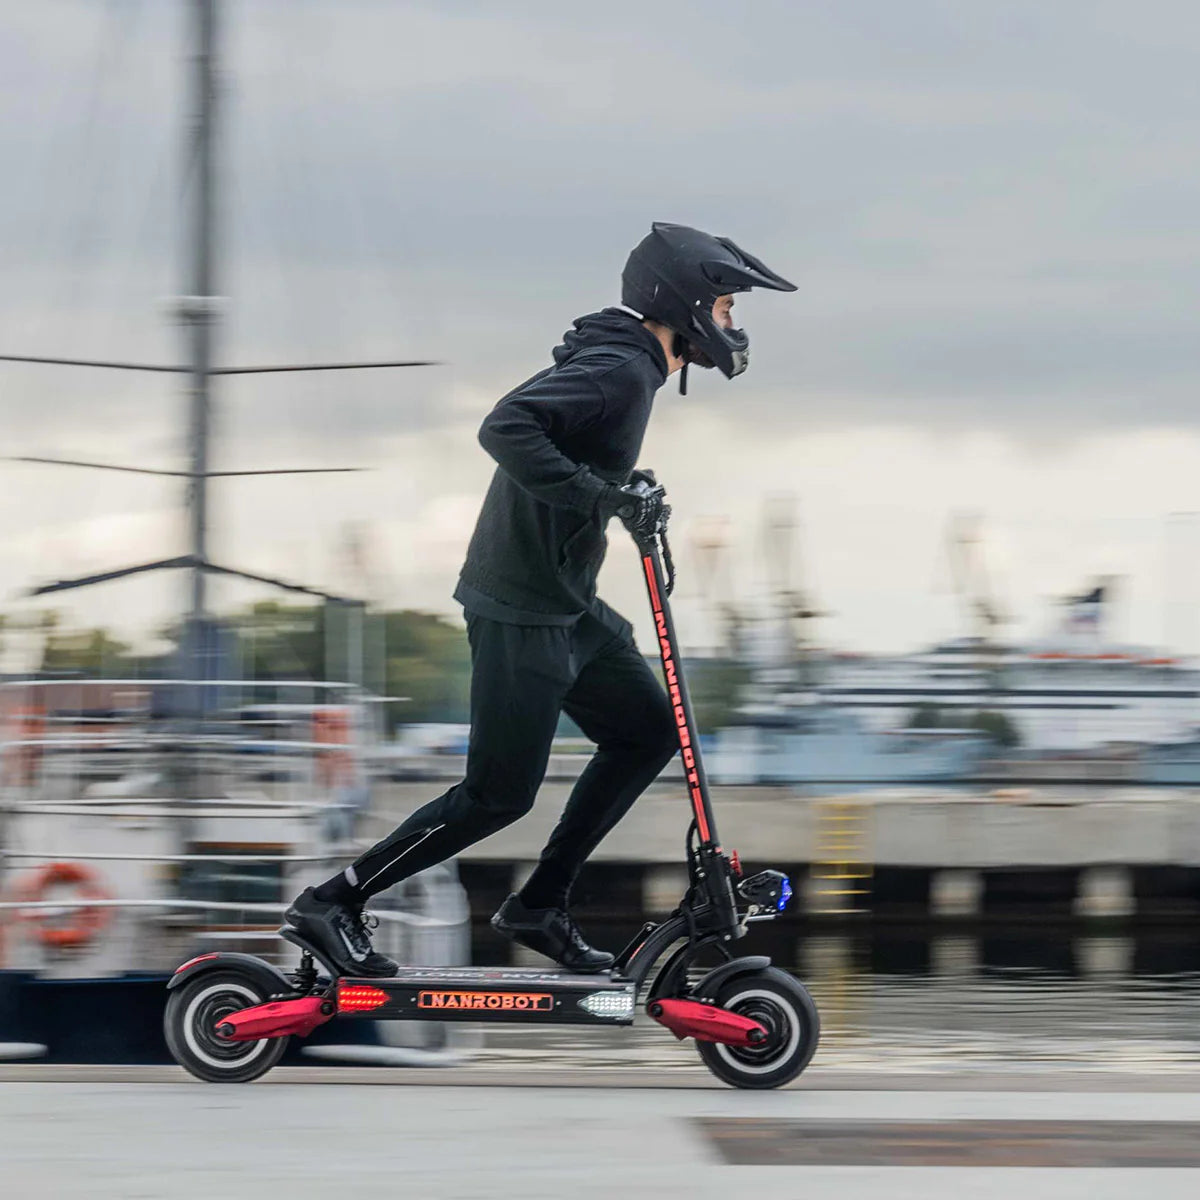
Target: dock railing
[[193, 811]]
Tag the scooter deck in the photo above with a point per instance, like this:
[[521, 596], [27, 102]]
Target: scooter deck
[[489, 994], [504, 994]]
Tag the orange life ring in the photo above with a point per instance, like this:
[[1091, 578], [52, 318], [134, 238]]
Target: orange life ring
[[92, 918]]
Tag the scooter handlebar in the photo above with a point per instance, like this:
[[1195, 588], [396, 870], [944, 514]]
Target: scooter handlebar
[[657, 539], [643, 487]]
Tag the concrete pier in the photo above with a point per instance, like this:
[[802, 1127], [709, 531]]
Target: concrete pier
[[956, 893], [1105, 892], [1079, 853], [662, 886], [1076, 827]]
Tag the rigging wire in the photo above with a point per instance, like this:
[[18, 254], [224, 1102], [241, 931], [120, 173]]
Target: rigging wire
[[372, 255], [70, 200], [93, 274], [124, 34], [103, 165], [377, 253], [310, 319], [73, 136], [72, 133], [302, 178], [168, 369], [306, 219], [98, 466], [143, 253], [254, 223]]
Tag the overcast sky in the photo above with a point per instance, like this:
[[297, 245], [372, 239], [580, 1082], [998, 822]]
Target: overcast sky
[[990, 210]]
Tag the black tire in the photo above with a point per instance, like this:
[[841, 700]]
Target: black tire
[[193, 1012], [783, 1006]]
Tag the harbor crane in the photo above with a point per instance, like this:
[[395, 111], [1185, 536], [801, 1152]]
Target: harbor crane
[[793, 603], [973, 585]]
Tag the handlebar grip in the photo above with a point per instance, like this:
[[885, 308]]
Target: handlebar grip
[[645, 488]]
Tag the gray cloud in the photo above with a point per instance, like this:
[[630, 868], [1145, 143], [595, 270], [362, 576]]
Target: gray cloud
[[989, 210]]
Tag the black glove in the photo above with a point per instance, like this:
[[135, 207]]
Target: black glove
[[639, 504]]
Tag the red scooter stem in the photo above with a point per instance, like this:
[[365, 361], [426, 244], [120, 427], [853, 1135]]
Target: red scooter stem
[[681, 705]]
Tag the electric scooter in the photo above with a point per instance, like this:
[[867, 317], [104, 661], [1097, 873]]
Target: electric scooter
[[229, 1016]]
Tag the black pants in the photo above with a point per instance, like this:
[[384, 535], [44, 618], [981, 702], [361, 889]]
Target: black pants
[[523, 676]]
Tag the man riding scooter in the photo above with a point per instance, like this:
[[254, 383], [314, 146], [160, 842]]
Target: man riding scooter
[[542, 642]]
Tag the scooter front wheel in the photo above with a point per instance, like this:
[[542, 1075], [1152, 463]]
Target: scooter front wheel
[[193, 1013], [783, 1007]]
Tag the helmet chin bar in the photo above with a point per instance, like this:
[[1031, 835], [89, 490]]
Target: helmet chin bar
[[693, 355]]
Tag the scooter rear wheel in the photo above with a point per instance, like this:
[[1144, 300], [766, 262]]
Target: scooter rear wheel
[[782, 1005], [193, 1013]]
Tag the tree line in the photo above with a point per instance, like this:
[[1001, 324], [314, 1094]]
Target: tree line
[[420, 658]]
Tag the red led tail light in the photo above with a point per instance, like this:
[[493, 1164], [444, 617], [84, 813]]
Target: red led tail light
[[357, 997]]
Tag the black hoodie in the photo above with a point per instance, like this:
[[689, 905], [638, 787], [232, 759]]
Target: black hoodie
[[562, 439]]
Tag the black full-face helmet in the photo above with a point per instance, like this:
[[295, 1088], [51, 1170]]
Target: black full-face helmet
[[675, 274]]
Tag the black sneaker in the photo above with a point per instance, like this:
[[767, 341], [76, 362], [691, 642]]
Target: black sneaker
[[341, 933], [551, 932]]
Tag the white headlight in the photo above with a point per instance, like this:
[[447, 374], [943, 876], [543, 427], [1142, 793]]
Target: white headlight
[[608, 1004]]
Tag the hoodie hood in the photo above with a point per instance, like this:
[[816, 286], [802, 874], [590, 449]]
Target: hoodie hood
[[609, 328]]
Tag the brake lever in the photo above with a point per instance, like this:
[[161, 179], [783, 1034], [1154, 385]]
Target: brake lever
[[644, 488], [668, 561]]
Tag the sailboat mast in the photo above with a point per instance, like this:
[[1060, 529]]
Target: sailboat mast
[[198, 312], [199, 318]]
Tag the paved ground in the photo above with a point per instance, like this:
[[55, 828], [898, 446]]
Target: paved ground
[[100, 1132]]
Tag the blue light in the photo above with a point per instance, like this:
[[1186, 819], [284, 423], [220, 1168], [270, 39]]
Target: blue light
[[785, 894]]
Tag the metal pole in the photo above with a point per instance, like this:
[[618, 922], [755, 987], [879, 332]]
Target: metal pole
[[357, 645], [199, 317]]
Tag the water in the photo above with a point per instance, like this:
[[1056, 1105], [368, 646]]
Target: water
[[963, 1014], [1008, 999]]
